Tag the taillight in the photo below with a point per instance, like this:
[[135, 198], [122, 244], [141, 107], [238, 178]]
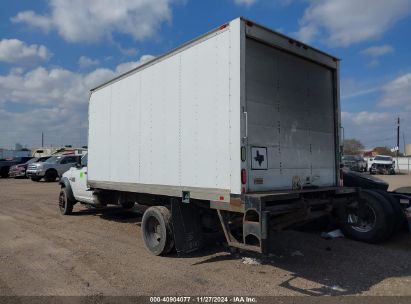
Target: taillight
[[243, 176]]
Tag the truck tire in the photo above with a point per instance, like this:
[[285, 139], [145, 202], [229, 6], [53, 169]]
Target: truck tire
[[65, 203], [35, 179], [376, 224], [50, 175], [4, 172], [157, 230], [364, 181], [127, 205], [399, 216]]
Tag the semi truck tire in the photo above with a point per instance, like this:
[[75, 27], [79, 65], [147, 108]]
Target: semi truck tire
[[4, 172], [374, 224], [399, 216], [157, 230], [65, 203], [355, 179]]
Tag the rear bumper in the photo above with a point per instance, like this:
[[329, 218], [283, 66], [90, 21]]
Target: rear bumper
[[276, 210]]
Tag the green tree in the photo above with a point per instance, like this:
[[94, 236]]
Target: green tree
[[352, 146]]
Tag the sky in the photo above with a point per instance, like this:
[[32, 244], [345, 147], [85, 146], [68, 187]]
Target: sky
[[52, 52]]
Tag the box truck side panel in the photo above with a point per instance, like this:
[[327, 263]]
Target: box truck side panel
[[204, 121], [123, 151], [159, 119], [99, 134], [166, 128], [291, 127]]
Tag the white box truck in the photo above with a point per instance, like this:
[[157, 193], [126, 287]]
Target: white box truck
[[236, 130]]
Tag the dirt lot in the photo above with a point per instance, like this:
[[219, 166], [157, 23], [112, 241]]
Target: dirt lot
[[102, 253], [396, 181]]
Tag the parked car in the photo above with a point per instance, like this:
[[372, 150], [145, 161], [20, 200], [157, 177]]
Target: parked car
[[354, 163], [6, 163], [381, 164], [20, 170], [52, 168]]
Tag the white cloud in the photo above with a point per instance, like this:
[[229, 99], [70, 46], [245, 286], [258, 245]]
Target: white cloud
[[60, 125], [17, 51], [350, 21], [31, 18], [378, 51], [374, 52], [249, 3], [57, 99], [397, 93], [375, 128], [57, 86], [245, 2], [366, 118], [85, 62], [93, 20]]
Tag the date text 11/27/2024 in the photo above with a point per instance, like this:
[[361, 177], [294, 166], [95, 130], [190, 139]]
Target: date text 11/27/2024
[[199, 299]]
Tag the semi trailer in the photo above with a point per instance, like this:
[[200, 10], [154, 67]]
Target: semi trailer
[[236, 131]]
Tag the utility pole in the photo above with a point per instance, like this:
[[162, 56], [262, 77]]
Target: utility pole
[[398, 142], [42, 139]]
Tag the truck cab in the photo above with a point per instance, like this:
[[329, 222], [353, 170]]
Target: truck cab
[[74, 188], [77, 178]]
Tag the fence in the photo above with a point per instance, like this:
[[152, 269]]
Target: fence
[[404, 164]]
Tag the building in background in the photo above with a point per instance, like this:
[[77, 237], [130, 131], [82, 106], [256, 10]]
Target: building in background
[[6, 153], [408, 150]]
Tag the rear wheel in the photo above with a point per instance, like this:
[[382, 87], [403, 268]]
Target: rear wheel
[[399, 216], [4, 172], [65, 203], [372, 221], [157, 231], [51, 175]]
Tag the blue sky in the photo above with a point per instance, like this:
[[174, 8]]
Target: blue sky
[[53, 52]]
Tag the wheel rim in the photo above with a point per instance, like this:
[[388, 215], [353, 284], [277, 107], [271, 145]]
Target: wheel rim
[[365, 223], [62, 201], [154, 234]]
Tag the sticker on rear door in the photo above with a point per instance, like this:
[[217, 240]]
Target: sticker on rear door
[[259, 158]]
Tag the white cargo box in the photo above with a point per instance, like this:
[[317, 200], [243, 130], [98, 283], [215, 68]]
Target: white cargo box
[[241, 97]]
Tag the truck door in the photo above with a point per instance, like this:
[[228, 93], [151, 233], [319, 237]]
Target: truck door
[[79, 182], [291, 120]]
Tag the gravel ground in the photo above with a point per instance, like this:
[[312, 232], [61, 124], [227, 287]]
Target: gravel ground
[[102, 253], [396, 181]]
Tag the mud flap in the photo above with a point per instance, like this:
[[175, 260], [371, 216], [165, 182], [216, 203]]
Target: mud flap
[[186, 227]]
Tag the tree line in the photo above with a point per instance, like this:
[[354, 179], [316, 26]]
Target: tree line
[[353, 146]]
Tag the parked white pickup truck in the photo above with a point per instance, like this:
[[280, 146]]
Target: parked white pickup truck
[[381, 164], [78, 191]]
